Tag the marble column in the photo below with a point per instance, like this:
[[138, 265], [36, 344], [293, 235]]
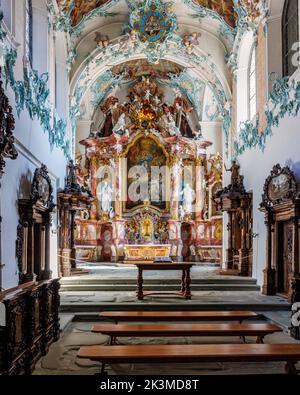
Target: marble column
[[175, 169], [94, 169], [200, 192]]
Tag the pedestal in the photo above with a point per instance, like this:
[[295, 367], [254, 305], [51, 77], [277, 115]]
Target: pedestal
[[269, 287], [244, 262], [65, 262]]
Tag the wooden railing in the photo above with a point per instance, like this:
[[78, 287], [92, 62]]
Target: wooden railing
[[30, 324]]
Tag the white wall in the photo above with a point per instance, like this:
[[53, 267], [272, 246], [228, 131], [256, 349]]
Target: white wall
[[256, 166]]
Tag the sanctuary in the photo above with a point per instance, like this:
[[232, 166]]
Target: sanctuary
[[150, 184], [151, 177]]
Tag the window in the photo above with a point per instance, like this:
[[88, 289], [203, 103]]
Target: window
[[290, 35], [28, 31], [6, 8], [252, 84]]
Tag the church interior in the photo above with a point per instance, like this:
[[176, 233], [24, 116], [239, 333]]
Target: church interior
[[149, 187]]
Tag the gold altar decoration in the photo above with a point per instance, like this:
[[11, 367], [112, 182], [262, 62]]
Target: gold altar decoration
[[136, 253]]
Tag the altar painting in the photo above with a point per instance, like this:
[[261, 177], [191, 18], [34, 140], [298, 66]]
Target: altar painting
[[148, 154]]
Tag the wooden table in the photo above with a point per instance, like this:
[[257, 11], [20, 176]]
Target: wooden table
[[185, 282]]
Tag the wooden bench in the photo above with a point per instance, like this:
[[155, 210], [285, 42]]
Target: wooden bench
[[289, 353], [158, 316], [178, 330]]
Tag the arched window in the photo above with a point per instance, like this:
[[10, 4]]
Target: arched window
[[252, 84], [290, 35], [28, 31], [6, 8]]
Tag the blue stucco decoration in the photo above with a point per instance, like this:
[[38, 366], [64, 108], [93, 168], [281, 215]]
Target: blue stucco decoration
[[32, 94], [284, 101]]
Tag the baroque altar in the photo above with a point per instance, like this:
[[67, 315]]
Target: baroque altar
[[152, 180]]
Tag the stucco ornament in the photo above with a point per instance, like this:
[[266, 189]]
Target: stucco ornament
[[32, 94], [154, 22]]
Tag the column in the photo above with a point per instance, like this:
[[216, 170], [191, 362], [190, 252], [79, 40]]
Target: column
[[47, 272], [30, 275], [269, 287], [200, 193], [243, 253], [175, 168], [118, 188], [72, 238], [64, 234], [229, 255], [94, 169]]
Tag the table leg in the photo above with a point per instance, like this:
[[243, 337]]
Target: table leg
[[188, 294], [140, 293], [183, 283]]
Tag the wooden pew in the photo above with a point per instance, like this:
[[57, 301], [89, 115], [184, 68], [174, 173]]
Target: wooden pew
[[178, 330], [158, 316], [288, 353]]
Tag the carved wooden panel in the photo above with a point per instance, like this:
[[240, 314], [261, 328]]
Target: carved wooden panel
[[32, 324]]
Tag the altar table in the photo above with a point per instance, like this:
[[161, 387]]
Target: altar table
[[185, 282], [146, 252]]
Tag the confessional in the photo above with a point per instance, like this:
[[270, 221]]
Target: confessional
[[33, 234], [237, 203], [281, 207]]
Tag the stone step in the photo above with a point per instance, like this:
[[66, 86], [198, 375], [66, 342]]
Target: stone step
[[93, 309], [155, 281], [157, 287]]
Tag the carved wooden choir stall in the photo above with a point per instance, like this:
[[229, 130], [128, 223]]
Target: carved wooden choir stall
[[33, 243], [281, 206], [73, 199], [238, 204], [29, 324]]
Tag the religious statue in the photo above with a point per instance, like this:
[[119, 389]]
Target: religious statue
[[235, 173], [120, 128], [106, 196], [169, 123], [188, 198], [181, 213]]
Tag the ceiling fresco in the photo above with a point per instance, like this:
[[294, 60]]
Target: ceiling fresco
[[225, 8], [135, 69], [82, 8]]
